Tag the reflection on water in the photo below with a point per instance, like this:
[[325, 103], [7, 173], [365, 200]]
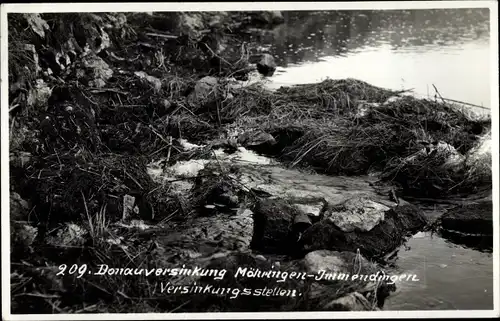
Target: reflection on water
[[450, 277], [396, 49]]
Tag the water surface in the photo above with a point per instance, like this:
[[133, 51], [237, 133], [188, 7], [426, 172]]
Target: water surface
[[404, 49], [451, 277]]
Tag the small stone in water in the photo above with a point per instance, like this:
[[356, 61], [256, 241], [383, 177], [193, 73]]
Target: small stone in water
[[260, 257]]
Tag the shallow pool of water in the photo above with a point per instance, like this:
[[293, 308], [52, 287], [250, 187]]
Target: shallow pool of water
[[450, 276], [405, 49]]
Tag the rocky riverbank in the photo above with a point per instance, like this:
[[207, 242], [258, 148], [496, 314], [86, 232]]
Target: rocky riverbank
[[139, 143]]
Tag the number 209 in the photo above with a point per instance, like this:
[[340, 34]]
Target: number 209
[[79, 270]]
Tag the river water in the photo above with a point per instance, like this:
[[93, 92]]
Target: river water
[[413, 49]]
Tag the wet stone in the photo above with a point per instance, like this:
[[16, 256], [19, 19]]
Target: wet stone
[[19, 208], [204, 90], [399, 222], [266, 65], [268, 17], [327, 265], [255, 138], [470, 218], [351, 302], [273, 226], [151, 81], [359, 213], [22, 237]]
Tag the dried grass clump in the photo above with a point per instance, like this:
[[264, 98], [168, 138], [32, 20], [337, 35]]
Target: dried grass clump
[[440, 121], [445, 172], [347, 145], [333, 97], [326, 100]]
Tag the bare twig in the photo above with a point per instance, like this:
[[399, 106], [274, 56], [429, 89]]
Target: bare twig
[[13, 107], [169, 149], [133, 179], [158, 134], [464, 103], [180, 306], [103, 90], [162, 35], [54, 306], [40, 295], [90, 307]]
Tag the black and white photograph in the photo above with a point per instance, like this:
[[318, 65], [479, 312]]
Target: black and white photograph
[[207, 160]]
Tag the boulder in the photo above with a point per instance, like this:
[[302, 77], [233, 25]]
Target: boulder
[[36, 23], [358, 213], [268, 18], [129, 207], [212, 43], [22, 237], [217, 19], [333, 269], [277, 17], [313, 208], [302, 220], [256, 139], [212, 188], [39, 95], [330, 261], [149, 81], [191, 23], [19, 208], [95, 70], [273, 226], [266, 65], [470, 218], [398, 223], [351, 302], [205, 90]]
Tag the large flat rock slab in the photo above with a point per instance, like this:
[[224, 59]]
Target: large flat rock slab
[[291, 183]]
